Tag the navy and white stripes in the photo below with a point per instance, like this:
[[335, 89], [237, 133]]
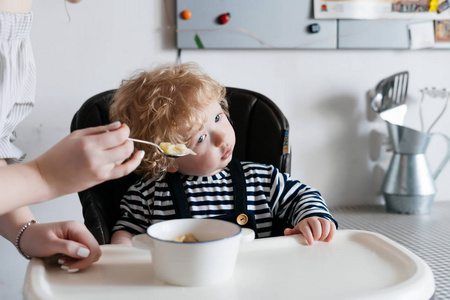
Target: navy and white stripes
[[269, 193], [17, 80]]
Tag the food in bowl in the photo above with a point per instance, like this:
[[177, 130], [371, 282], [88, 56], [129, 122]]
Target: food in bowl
[[186, 238], [209, 261], [176, 149]]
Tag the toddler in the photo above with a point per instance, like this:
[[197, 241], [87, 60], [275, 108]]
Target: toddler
[[180, 104]]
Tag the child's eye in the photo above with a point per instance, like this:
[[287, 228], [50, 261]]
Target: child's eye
[[202, 138], [218, 118]]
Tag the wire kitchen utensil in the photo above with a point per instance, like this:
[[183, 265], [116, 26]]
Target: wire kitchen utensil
[[390, 92], [433, 93]]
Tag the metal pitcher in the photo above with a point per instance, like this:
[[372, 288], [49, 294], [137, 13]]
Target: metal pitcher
[[409, 183]]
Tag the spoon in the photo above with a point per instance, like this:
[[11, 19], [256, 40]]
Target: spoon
[[172, 155]]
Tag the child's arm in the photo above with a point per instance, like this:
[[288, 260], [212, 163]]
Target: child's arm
[[121, 237], [135, 214], [300, 204], [314, 229]]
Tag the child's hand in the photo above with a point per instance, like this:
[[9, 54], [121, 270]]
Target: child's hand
[[121, 237], [314, 229]]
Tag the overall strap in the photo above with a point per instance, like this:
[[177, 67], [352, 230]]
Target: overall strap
[[179, 195], [176, 188], [239, 186]]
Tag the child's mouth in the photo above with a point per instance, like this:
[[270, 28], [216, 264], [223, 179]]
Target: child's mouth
[[227, 153]]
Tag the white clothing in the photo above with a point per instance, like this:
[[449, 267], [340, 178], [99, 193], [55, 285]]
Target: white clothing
[[17, 80]]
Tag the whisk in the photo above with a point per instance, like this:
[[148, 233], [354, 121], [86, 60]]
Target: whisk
[[433, 93]]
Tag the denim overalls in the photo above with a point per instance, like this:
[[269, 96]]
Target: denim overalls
[[240, 215]]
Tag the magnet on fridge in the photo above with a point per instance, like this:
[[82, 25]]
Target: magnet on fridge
[[314, 28], [223, 18], [186, 14]]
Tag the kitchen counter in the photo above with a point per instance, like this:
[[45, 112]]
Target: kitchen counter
[[426, 235]]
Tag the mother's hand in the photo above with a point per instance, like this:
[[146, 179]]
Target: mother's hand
[[71, 239], [88, 157]]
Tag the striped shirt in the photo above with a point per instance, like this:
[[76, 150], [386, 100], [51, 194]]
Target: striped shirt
[[270, 193], [17, 80]]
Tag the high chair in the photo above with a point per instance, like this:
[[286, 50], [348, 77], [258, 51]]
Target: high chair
[[262, 135]]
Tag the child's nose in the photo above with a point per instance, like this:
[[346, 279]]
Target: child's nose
[[219, 138]]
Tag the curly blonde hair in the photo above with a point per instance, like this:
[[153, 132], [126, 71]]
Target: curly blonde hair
[[162, 104]]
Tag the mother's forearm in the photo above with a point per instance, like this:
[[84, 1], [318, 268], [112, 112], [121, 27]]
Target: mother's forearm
[[12, 222], [22, 185]]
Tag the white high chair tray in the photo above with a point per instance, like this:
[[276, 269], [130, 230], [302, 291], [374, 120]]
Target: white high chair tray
[[355, 265]]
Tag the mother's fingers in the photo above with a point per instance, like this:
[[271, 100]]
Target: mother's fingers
[[117, 154], [121, 170], [99, 129], [106, 136], [109, 148], [113, 138], [72, 265], [79, 247]]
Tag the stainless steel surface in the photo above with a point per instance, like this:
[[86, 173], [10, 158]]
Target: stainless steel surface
[[407, 140], [426, 235], [408, 186], [390, 92], [409, 204], [159, 148]]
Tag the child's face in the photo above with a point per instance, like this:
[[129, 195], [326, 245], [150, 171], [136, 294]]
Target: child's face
[[214, 144]]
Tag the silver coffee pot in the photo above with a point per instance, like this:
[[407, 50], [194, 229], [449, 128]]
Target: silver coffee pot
[[409, 183]]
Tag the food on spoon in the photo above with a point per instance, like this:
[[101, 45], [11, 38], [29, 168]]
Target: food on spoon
[[176, 149], [186, 238]]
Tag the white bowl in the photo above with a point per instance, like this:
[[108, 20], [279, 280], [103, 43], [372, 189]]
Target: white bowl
[[209, 261]]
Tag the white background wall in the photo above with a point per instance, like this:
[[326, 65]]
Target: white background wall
[[321, 92]]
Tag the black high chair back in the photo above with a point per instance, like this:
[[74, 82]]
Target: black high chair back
[[262, 135]]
